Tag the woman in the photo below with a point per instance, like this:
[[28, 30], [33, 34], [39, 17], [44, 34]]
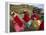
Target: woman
[[36, 21], [27, 19], [19, 25]]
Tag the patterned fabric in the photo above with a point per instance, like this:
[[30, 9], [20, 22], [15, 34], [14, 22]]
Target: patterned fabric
[[41, 26], [18, 21], [34, 25], [26, 18], [28, 24], [18, 28], [35, 15]]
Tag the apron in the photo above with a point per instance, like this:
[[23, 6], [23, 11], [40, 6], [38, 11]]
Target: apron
[[19, 26], [34, 25], [28, 24]]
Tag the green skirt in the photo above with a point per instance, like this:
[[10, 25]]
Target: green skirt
[[28, 24]]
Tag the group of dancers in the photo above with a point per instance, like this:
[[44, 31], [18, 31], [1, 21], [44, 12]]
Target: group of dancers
[[27, 22]]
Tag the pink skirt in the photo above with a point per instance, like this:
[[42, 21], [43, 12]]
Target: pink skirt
[[18, 28]]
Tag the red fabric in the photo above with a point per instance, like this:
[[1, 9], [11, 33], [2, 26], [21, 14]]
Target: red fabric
[[26, 18], [17, 20], [18, 28], [42, 26], [35, 15]]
